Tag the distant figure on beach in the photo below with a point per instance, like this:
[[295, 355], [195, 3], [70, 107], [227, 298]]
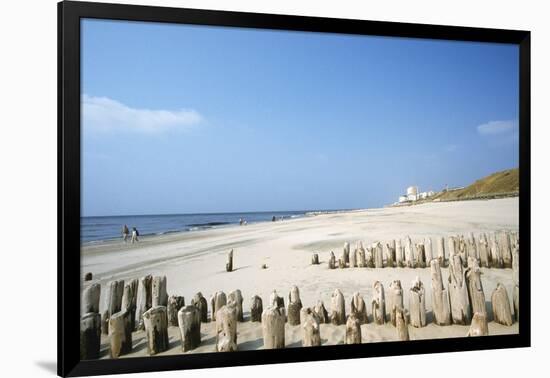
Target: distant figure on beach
[[241, 221], [273, 219], [135, 234], [125, 233]]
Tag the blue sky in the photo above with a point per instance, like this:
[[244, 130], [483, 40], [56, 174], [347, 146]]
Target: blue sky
[[187, 119]]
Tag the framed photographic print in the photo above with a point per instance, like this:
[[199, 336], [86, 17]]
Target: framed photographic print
[[239, 188]]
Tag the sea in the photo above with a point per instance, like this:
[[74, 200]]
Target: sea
[[103, 228]]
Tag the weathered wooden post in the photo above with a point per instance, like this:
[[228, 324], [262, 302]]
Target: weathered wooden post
[[88, 276], [144, 299], [332, 261], [338, 308], [353, 330], [395, 299], [321, 312], [483, 249], [315, 259], [156, 329], [273, 328], [440, 296], [115, 290], [341, 262], [409, 254], [229, 264], [226, 329], [378, 255], [353, 259], [129, 301], [504, 248], [201, 303], [462, 250], [175, 303], [399, 257], [458, 292], [420, 255], [516, 302], [417, 304], [496, 257], [218, 300], [159, 294], [471, 248], [390, 254], [90, 336], [369, 257], [451, 247], [515, 275], [475, 290], [189, 323], [310, 325], [120, 333], [441, 251], [378, 303], [358, 308], [401, 325], [90, 298], [346, 253], [360, 251], [256, 309], [479, 325], [428, 249], [235, 298], [501, 306], [294, 306]]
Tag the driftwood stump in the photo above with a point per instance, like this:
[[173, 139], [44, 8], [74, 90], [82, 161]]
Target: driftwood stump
[[315, 259], [129, 300], [417, 304], [496, 257], [479, 325], [390, 254], [311, 328], [503, 241], [483, 250], [229, 264], [144, 299], [401, 325], [226, 329], [346, 253], [516, 302], [338, 308], [218, 300], [420, 261], [159, 294], [120, 333], [321, 312], [256, 309], [501, 306], [451, 247], [341, 263], [462, 250], [409, 253], [369, 257], [399, 254], [353, 259], [458, 292], [273, 328], [378, 303], [378, 255], [115, 290], [360, 255], [353, 330], [156, 329], [440, 296], [88, 276], [332, 261], [428, 249], [189, 323], [475, 290], [90, 336], [395, 299], [515, 265], [175, 303], [201, 303], [235, 299], [441, 251], [294, 306], [358, 308], [90, 298]]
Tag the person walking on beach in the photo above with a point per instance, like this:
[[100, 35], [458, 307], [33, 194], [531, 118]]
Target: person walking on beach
[[135, 234], [125, 233]]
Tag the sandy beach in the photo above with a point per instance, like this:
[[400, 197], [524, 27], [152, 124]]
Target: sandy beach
[[195, 261]]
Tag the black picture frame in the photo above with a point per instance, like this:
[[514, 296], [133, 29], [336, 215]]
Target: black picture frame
[[69, 15]]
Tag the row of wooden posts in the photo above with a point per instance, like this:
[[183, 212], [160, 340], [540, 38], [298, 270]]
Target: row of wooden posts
[[462, 301], [493, 250]]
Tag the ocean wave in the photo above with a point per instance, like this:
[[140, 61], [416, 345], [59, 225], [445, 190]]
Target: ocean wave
[[208, 224]]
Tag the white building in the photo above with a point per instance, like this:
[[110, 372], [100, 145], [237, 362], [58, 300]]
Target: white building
[[413, 195]]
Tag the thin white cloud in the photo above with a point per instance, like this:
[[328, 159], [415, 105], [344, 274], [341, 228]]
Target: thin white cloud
[[105, 114], [497, 128]]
